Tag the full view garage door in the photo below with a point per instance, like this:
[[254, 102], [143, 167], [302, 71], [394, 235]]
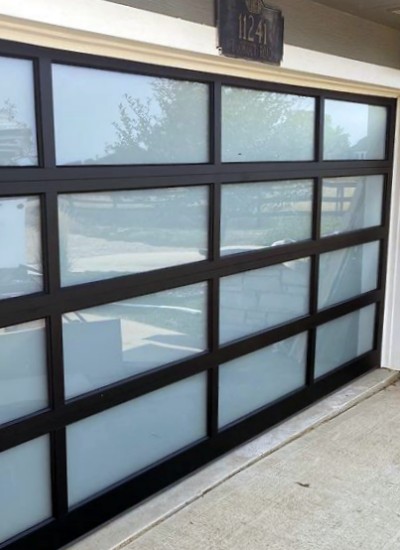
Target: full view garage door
[[185, 260]]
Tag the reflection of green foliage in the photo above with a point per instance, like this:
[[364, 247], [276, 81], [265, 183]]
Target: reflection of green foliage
[[337, 142]]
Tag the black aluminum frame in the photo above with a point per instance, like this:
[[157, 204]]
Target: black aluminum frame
[[48, 181]]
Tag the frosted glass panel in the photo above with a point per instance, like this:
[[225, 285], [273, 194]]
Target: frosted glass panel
[[110, 446], [266, 126], [257, 379], [18, 145], [348, 272], [259, 299], [20, 248], [104, 235], [257, 215], [23, 375], [108, 343], [344, 339], [106, 117], [351, 203], [25, 495], [354, 131]]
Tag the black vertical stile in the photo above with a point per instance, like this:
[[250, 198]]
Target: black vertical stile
[[48, 181]]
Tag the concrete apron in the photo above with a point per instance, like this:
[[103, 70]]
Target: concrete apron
[[221, 503]]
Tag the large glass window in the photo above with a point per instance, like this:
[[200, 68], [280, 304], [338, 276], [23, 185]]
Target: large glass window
[[354, 131], [262, 298], [351, 203], [18, 145], [104, 117], [20, 246], [111, 342], [262, 214], [266, 126], [104, 235], [106, 448]]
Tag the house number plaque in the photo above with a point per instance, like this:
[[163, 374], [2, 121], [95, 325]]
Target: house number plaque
[[249, 29]]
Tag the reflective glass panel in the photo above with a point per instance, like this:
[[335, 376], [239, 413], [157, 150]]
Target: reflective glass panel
[[20, 247], [351, 203], [18, 145], [107, 343], [25, 495], [107, 117], [346, 273], [344, 339], [259, 378], [23, 371], [266, 126], [106, 448], [262, 214], [354, 131], [259, 299], [104, 235]]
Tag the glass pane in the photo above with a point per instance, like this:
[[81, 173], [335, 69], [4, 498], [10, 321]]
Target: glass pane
[[257, 215], [348, 272], [23, 372], [112, 445], [106, 117], [354, 131], [259, 378], [20, 247], [104, 235], [25, 495], [351, 203], [259, 299], [344, 339], [108, 343], [18, 145], [266, 126]]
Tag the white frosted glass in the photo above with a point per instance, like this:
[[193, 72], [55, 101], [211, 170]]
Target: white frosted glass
[[20, 247], [351, 203], [354, 131], [107, 117], [108, 343], [104, 235], [266, 126], [344, 339], [259, 378], [25, 494], [23, 372], [259, 299], [110, 446], [261, 214], [18, 146], [346, 273]]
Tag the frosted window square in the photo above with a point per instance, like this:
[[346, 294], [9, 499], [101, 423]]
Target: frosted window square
[[344, 339], [20, 247], [257, 379], [23, 370], [105, 235], [266, 126], [25, 481], [351, 203], [354, 131], [346, 273], [110, 118], [18, 144], [261, 214], [262, 298], [110, 446], [111, 342]]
